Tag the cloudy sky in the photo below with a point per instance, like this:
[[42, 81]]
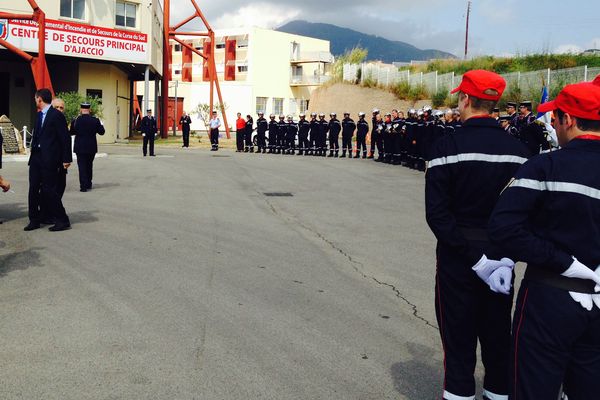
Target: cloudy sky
[[497, 27]]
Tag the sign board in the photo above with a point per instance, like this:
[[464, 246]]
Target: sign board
[[78, 40]]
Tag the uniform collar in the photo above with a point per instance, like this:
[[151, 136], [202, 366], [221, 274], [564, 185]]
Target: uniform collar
[[485, 121], [578, 143]]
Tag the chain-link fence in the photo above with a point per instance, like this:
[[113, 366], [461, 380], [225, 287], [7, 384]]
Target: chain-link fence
[[528, 84]]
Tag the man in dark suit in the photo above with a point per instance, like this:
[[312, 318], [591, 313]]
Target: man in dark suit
[[185, 122], [84, 128], [149, 129], [50, 151]]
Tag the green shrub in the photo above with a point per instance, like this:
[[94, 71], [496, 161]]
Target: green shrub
[[440, 98], [73, 102], [418, 92], [401, 90]]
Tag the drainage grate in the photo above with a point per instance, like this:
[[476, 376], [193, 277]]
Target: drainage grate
[[278, 194], [220, 156]]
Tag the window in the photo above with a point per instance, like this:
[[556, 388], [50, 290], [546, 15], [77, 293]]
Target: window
[[126, 14], [277, 106], [177, 47], [242, 68], [303, 106], [94, 94], [261, 104], [72, 9], [220, 45], [293, 107]]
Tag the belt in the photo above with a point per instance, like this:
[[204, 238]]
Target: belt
[[541, 275]]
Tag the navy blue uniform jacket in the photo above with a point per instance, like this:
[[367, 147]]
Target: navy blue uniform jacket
[[464, 179], [85, 127]]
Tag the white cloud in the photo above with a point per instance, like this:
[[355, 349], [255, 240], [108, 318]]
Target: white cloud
[[264, 15]]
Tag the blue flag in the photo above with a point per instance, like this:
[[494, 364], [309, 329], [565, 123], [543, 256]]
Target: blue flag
[[543, 100]]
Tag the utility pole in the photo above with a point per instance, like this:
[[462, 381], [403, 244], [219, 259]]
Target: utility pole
[[467, 30]]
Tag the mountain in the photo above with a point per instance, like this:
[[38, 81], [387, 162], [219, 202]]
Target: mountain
[[343, 39]]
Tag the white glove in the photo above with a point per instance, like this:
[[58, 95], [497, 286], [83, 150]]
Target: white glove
[[500, 280], [485, 267], [143, 135], [578, 270], [584, 299]]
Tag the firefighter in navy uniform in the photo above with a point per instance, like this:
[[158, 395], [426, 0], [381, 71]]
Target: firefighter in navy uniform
[[362, 130], [303, 130], [398, 131], [549, 217], [314, 134], [273, 127], [292, 132], [388, 138], [409, 143], [464, 178], [149, 128], [348, 128], [377, 133], [373, 133], [281, 134], [248, 134], [262, 126], [532, 134], [322, 129], [335, 127], [84, 128]]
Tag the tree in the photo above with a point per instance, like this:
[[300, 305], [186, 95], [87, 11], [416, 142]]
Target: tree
[[355, 56], [73, 102], [203, 111]]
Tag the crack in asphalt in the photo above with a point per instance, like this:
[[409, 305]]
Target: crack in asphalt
[[356, 266]]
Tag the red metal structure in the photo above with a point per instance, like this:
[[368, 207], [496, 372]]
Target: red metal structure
[[38, 64], [208, 55]]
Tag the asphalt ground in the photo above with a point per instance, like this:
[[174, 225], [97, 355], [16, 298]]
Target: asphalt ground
[[183, 279]]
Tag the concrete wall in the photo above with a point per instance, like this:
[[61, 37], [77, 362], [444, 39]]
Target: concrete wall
[[21, 104]]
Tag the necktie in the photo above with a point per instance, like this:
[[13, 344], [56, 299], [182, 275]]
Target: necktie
[[35, 141]]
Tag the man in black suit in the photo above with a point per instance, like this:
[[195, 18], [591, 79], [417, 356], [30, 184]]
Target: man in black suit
[[84, 128], [149, 129], [185, 122], [50, 151]]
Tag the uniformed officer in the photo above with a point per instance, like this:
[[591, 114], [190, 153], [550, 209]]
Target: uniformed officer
[[273, 127], [388, 138], [439, 126], [549, 217], [374, 133], [281, 134], [185, 121], [362, 130], [149, 129], [398, 131], [464, 178], [411, 139], [84, 128], [335, 127], [215, 124], [314, 134], [348, 128], [303, 131], [495, 113], [292, 132], [249, 144], [530, 133], [262, 126], [377, 133], [504, 122], [322, 129]]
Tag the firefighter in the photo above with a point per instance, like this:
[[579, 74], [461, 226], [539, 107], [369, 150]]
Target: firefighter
[[362, 130], [273, 127], [549, 218], [348, 128], [464, 178], [303, 140]]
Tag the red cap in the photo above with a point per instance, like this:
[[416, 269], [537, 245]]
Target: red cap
[[580, 100], [477, 82], [597, 81]]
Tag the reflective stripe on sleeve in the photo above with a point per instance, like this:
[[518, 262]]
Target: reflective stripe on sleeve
[[492, 158], [565, 187]]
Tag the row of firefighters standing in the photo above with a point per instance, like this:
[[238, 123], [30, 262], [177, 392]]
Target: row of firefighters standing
[[396, 139]]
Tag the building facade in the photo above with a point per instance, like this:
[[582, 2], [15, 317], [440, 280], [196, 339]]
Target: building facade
[[258, 70], [94, 47]]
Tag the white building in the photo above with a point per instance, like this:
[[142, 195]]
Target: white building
[[258, 69], [94, 47]]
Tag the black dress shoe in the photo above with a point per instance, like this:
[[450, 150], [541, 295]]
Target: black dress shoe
[[59, 227], [83, 190], [32, 226]]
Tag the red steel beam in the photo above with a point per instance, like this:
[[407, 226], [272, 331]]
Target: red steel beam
[[189, 47]]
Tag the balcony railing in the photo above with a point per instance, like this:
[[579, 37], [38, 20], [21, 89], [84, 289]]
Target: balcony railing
[[313, 57], [308, 80]]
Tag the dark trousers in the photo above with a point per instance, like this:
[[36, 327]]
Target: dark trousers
[[261, 141], [85, 163], [239, 140], [186, 137], [467, 310], [214, 139], [43, 193], [388, 145], [272, 142], [322, 143], [148, 140], [61, 183], [377, 142], [291, 143], [248, 137], [334, 143], [555, 341], [347, 143], [361, 143]]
